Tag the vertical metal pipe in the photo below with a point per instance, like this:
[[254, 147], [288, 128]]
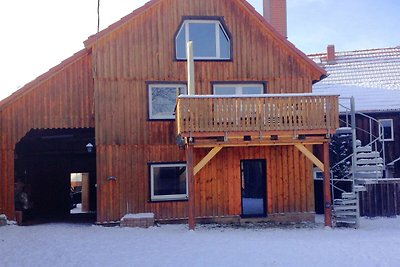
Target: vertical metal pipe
[[354, 158], [190, 68], [354, 138]]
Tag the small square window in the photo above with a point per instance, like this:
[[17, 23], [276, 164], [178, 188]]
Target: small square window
[[386, 130], [162, 100], [168, 181]]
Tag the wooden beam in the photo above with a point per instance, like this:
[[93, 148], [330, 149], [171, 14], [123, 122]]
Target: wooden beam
[[310, 156], [206, 159], [327, 188], [191, 183]]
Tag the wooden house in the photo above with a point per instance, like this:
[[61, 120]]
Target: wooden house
[[240, 147], [371, 76]]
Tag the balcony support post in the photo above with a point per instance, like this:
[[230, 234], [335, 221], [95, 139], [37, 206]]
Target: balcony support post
[[327, 187], [191, 200]]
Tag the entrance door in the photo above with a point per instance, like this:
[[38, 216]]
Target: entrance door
[[253, 176]]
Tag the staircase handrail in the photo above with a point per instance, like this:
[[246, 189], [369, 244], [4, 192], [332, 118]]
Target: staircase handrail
[[377, 139]]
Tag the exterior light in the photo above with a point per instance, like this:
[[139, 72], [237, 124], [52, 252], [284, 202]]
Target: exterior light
[[89, 147]]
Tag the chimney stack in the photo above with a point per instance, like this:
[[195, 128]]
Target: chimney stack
[[330, 54], [275, 14]]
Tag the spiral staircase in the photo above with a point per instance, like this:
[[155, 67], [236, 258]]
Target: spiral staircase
[[363, 167]]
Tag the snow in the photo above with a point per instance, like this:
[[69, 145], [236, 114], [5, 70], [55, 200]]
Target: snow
[[258, 95], [139, 216], [375, 243]]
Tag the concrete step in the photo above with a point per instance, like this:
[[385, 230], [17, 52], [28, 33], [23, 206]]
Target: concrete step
[[369, 174], [369, 161], [349, 195], [363, 155], [366, 181], [345, 207], [345, 201], [350, 221], [368, 168], [345, 213], [359, 188], [364, 149]]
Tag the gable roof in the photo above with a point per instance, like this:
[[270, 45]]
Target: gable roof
[[372, 76], [92, 39]]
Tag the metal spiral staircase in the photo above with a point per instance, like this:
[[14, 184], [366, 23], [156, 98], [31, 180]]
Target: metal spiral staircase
[[364, 165]]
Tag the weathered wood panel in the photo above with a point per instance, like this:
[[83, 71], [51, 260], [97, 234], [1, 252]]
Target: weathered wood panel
[[61, 98], [380, 200]]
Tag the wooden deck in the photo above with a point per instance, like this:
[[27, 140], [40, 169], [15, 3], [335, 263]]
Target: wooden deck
[[299, 114]]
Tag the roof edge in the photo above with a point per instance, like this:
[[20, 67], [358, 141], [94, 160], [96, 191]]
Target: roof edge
[[281, 38], [92, 39]]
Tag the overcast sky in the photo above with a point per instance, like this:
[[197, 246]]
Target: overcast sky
[[38, 34]]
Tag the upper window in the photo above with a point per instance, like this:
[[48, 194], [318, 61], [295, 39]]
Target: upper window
[[238, 89], [210, 40], [168, 181], [162, 100], [386, 130]]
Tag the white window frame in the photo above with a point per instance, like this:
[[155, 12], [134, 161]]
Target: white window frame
[[150, 103], [167, 197], [318, 174], [218, 25], [381, 128], [238, 87]]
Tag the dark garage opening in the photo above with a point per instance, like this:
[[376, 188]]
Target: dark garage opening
[[47, 189]]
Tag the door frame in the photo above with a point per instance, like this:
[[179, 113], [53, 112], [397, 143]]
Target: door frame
[[264, 185]]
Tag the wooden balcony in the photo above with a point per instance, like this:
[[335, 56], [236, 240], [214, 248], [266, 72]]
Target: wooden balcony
[[204, 116]]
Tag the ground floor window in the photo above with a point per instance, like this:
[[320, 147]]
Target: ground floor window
[[386, 129], [168, 181]]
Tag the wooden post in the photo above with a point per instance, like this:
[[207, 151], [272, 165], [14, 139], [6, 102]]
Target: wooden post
[[327, 187], [191, 203]]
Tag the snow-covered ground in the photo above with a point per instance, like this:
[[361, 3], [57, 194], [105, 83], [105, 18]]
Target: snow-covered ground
[[375, 243]]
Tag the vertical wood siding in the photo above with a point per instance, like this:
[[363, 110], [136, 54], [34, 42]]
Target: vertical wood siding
[[64, 100], [218, 185], [142, 50]]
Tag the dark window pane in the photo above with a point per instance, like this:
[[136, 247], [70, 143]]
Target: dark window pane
[[224, 44], [169, 180], [203, 37], [251, 90], [163, 101], [224, 91], [387, 132], [181, 44]]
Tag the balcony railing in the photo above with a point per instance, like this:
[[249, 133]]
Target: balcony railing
[[210, 115]]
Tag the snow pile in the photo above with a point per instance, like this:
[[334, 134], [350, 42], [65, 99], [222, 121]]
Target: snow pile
[[3, 220], [138, 216], [376, 243]]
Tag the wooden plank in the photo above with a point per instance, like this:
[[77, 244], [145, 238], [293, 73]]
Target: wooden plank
[[310, 156], [206, 159]]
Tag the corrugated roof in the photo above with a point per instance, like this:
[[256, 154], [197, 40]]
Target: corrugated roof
[[372, 76]]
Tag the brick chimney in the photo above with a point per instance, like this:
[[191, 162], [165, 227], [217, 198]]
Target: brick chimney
[[275, 14], [330, 54]]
